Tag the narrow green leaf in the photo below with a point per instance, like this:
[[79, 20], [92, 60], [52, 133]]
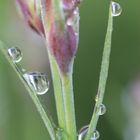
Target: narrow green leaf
[[103, 76], [32, 93]]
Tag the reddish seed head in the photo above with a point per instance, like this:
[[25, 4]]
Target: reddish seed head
[[61, 34], [63, 41], [30, 11], [63, 46]]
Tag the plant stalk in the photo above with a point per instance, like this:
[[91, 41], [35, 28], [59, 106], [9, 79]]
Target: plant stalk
[[103, 76], [62, 82], [67, 87], [58, 94]]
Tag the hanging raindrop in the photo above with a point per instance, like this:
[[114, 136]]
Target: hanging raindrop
[[38, 81], [116, 9], [83, 132], [15, 54]]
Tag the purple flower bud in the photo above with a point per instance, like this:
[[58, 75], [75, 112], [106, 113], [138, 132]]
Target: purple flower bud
[[70, 4], [63, 41], [30, 11], [63, 46], [61, 29]]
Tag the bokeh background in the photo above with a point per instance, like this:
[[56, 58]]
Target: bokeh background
[[19, 119]]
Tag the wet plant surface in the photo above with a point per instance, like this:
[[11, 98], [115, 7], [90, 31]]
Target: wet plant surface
[[110, 125]]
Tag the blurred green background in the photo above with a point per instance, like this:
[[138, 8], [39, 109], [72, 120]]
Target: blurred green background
[[19, 119]]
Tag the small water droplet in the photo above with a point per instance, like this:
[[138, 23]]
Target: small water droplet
[[116, 9], [59, 133], [38, 81], [23, 70], [76, 11], [15, 54], [102, 109], [96, 97], [83, 132], [69, 21], [76, 34], [95, 135]]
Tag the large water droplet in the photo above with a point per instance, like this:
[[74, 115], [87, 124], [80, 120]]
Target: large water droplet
[[38, 81], [116, 9], [15, 54], [102, 109], [83, 132]]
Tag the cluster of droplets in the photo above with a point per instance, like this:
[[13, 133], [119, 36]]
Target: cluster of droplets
[[36, 80], [72, 20], [100, 108], [72, 16], [83, 131], [116, 9]]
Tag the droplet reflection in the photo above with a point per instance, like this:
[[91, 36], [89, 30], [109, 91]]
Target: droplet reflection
[[15, 54], [102, 109], [116, 9], [38, 81], [83, 132]]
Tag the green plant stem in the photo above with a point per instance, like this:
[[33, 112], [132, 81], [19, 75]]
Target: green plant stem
[[67, 86], [55, 76], [103, 76], [32, 93], [63, 88], [58, 94], [62, 82]]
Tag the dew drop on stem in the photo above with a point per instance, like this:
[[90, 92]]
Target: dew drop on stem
[[38, 81], [15, 54], [83, 131], [101, 109], [59, 133], [97, 97], [95, 135], [70, 21], [116, 9]]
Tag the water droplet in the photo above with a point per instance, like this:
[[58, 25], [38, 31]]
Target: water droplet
[[15, 54], [38, 81], [102, 109], [70, 21], [116, 9], [59, 133], [96, 97], [76, 11], [23, 70], [83, 132], [95, 135]]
